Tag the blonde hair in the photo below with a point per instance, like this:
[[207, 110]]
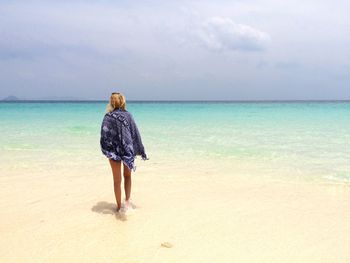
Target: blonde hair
[[117, 100]]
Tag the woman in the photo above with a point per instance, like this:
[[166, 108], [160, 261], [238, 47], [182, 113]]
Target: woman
[[121, 142]]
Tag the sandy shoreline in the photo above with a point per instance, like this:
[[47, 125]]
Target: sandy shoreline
[[234, 219]]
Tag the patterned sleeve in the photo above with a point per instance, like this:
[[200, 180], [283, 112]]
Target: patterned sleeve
[[139, 149], [107, 138]]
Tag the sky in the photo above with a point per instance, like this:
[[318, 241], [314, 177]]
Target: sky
[[175, 50]]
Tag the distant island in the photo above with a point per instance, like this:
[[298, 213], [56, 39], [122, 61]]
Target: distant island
[[51, 98], [10, 98]]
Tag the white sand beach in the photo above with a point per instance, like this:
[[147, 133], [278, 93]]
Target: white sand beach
[[222, 217]]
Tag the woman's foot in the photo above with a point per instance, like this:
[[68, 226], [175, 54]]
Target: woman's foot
[[119, 208], [128, 205]]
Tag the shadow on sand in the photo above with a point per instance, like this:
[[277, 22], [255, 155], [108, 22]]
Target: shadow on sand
[[108, 208]]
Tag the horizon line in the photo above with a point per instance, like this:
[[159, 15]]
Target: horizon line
[[174, 101]]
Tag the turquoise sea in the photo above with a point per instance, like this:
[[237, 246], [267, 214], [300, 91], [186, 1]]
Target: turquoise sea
[[293, 139]]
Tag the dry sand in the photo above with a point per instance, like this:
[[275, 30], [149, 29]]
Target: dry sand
[[216, 217]]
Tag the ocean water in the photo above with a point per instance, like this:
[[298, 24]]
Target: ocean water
[[307, 140]]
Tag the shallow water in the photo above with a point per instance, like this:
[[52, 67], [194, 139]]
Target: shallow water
[[309, 140]]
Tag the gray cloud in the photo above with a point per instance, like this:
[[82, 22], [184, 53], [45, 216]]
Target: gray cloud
[[222, 33], [174, 50], [288, 65]]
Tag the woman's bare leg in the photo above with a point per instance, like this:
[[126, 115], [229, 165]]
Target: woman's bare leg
[[127, 182], [117, 178]]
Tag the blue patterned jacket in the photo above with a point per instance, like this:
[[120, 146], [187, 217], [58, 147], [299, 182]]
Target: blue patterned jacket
[[121, 139]]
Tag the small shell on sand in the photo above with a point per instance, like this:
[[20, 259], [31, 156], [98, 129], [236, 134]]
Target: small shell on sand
[[167, 244]]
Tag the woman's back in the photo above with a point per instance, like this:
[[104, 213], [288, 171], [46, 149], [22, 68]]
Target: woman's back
[[120, 142]]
